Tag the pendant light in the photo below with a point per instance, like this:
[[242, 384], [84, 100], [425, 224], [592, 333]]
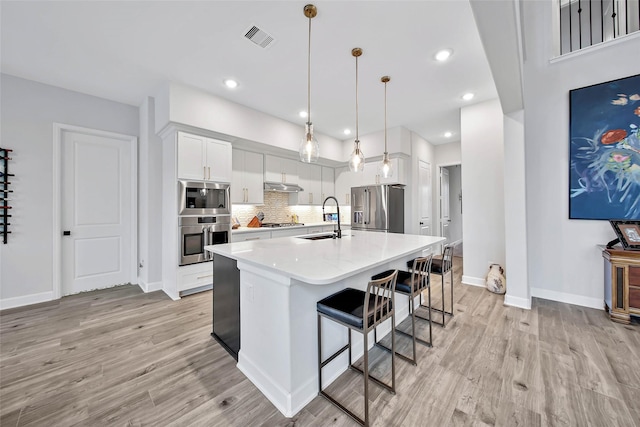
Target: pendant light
[[386, 168], [309, 147], [356, 161]]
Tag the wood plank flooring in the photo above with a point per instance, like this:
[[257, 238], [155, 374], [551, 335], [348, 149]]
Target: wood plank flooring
[[122, 357]]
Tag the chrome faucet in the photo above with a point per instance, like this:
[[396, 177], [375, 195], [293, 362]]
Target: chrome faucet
[[336, 233]]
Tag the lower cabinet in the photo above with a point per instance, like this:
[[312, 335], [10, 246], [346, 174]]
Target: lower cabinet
[[244, 237], [195, 276], [226, 304], [621, 284]]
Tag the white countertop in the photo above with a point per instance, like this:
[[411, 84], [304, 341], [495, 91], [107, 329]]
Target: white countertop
[[241, 230], [321, 262]]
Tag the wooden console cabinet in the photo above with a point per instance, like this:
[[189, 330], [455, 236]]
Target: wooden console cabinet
[[621, 284]]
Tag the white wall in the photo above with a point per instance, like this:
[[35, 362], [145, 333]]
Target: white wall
[[149, 201], [29, 110], [483, 184], [516, 268], [186, 105], [372, 144], [564, 263], [448, 154]]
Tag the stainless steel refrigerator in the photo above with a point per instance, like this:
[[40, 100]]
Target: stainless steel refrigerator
[[378, 208]]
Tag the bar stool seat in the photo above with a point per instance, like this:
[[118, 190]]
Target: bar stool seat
[[347, 307], [350, 307], [412, 284]]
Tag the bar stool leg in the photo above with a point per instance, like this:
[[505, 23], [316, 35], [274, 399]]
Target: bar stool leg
[[319, 353], [413, 324], [430, 331], [366, 377], [393, 352], [444, 310], [451, 279]]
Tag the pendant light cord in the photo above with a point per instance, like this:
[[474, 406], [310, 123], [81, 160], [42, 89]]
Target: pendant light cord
[[357, 139], [385, 117], [309, 75]]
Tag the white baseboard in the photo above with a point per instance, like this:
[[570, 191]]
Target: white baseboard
[[25, 300], [280, 398], [473, 281], [173, 295], [517, 301], [574, 299], [149, 287]]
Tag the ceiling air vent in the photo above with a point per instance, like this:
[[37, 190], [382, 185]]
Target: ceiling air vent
[[259, 37]]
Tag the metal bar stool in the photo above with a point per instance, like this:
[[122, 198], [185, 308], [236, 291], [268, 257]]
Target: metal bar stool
[[349, 308], [412, 284], [442, 267]]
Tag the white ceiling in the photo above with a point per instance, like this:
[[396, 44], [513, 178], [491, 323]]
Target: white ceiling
[[124, 50]]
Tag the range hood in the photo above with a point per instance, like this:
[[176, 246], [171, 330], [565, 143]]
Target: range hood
[[284, 188]]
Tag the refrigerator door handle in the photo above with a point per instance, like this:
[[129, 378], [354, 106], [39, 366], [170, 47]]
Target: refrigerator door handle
[[367, 207]]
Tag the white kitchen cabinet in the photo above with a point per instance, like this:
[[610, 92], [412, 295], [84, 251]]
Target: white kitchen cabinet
[[278, 169], [345, 179], [247, 178], [245, 237], [372, 177], [289, 232], [203, 159], [328, 183], [310, 179], [195, 276]]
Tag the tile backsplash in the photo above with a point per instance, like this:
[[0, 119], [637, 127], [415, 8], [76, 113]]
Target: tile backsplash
[[276, 209]]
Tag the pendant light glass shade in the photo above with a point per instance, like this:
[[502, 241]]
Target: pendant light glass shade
[[309, 147], [386, 167], [356, 160]]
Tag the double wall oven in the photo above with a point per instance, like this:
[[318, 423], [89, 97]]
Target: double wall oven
[[204, 219]]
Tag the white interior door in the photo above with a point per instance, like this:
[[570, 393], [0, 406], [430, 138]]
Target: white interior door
[[444, 204], [424, 178], [96, 212]]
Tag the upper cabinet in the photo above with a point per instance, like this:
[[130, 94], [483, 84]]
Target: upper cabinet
[[203, 159], [371, 175], [328, 182], [247, 184], [277, 169], [310, 179]]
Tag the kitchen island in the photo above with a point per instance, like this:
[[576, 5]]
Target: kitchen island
[[281, 281]]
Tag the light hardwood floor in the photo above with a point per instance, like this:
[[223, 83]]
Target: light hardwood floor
[[122, 357]]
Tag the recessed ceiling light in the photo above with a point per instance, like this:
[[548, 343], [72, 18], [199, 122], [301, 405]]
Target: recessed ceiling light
[[468, 96], [443, 55], [447, 134], [231, 84], [347, 131], [302, 114]]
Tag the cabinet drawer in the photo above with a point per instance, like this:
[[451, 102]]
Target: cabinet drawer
[[243, 237], [634, 276], [634, 297], [194, 276]]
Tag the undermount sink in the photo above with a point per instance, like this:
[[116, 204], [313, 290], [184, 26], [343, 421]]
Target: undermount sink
[[320, 237]]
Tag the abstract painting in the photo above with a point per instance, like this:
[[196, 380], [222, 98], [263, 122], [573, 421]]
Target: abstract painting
[[604, 177]]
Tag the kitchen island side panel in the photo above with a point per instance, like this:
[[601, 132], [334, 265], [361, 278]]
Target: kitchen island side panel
[[226, 303]]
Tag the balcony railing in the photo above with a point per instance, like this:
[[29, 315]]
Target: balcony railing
[[584, 23]]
